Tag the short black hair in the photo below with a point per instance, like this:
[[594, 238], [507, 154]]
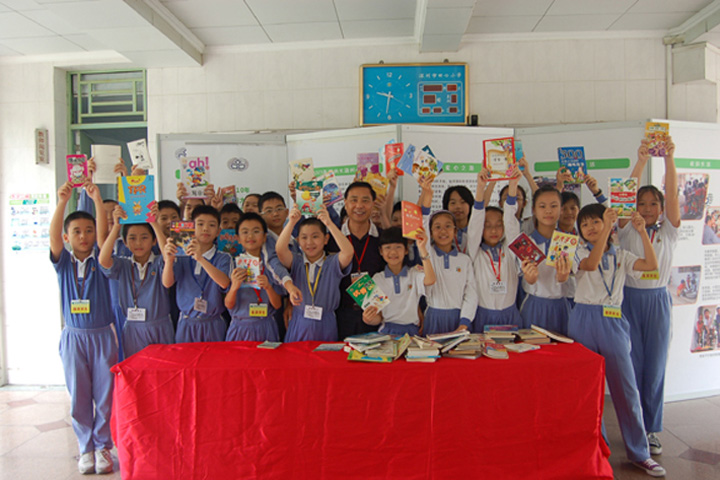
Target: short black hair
[[520, 189], [77, 215], [127, 226], [492, 208], [397, 207], [269, 196], [465, 194], [392, 235], [360, 185], [230, 208], [654, 190], [110, 200], [309, 221], [251, 216], [594, 210], [205, 210], [546, 189], [163, 204], [252, 195], [566, 197]]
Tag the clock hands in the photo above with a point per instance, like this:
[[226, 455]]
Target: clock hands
[[389, 95]]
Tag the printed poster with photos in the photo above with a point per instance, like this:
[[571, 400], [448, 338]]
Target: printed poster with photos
[[30, 217]]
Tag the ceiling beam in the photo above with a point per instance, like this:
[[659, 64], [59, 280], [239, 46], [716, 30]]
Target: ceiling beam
[[700, 23], [442, 24]]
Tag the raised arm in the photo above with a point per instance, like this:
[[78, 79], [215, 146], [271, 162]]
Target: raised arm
[[217, 275], [282, 247], [100, 215], [510, 221], [638, 169], [390, 197], [592, 261], [56, 224], [428, 269], [476, 225], [650, 261], [345, 255], [672, 204], [106, 260], [169, 251], [528, 176]]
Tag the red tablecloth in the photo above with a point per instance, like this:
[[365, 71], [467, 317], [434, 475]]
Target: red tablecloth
[[230, 410]]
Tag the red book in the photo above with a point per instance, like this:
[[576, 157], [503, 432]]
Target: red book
[[525, 248], [393, 153], [412, 221]]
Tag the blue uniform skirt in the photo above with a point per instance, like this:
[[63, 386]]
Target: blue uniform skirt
[[192, 330], [648, 313], [301, 329], [253, 329], [399, 329], [486, 316], [138, 335], [441, 320], [549, 313]]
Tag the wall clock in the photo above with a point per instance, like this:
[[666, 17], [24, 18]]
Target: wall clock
[[413, 93]]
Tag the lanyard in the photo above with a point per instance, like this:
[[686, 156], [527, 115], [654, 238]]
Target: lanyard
[[142, 282], [312, 287], [360, 260], [457, 242], [205, 281], [498, 272], [612, 284], [652, 238], [78, 289], [258, 291]]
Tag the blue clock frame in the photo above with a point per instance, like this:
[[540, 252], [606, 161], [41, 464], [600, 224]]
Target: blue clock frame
[[432, 93]]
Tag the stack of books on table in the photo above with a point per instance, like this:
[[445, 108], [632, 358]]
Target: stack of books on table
[[528, 335], [496, 351], [385, 350], [558, 337], [423, 350], [366, 341], [501, 333], [470, 349]]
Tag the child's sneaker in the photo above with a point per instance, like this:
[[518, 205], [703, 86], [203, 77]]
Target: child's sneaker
[[654, 443], [86, 464], [651, 467], [103, 461]]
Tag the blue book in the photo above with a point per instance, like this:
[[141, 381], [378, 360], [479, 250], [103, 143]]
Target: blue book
[[573, 158], [519, 150], [406, 161], [228, 242], [136, 194]]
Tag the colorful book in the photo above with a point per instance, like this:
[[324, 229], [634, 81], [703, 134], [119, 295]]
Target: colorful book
[[229, 194], [426, 165], [573, 159], [228, 242], [331, 192], [657, 133], [393, 154], [136, 194], [411, 218], [252, 265], [499, 158], [77, 169], [525, 249], [195, 174], [367, 164], [302, 170], [106, 157], [181, 234], [139, 154], [519, 153], [623, 195], [561, 245], [496, 351], [378, 183], [368, 338], [367, 294], [405, 164], [310, 197]]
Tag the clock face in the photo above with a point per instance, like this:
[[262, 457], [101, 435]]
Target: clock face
[[429, 93]]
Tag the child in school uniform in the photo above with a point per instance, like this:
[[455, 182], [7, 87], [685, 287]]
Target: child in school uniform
[[88, 344], [458, 200], [143, 301], [252, 309], [202, 280], [316, 274], [598, 323], [545, 304], [647, 304], [496, 267], [452, 300], [402, 284]]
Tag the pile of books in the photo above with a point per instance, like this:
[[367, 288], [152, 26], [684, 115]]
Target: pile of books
[[376, 347], [501, 334]]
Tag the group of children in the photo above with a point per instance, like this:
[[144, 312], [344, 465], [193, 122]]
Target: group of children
[[458, 274]]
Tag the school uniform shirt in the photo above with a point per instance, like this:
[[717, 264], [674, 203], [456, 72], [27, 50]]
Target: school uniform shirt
[[83, 281], [493, 262], [461, 239], [664, 238], [546, 285], [592, 287], [143, 282], [527, 225], [274, 267], [404, 291], [245, 296], [193, 282]]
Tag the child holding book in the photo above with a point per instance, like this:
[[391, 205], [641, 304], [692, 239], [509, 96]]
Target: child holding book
[[402, 284], [143, 300], [252, 309], [88, 345], [545, 304], [647, 304], [496, 266], [452, 299], [316, 274], [598, 323], [202, 279]]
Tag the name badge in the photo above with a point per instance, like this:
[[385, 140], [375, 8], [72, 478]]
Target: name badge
[[498, 288], [136, 314], [651, 275], [313, 313], [611, 311], [354, 276], [258, 310], [200, 305], [80, 306]]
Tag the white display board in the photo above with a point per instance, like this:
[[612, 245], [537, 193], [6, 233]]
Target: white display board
[[253, 163]]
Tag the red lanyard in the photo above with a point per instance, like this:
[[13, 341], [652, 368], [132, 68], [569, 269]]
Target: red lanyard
[[79, 290], [498, 272], [360, 260], [258, 291], [142, 282], [652, 239], [457, 242]]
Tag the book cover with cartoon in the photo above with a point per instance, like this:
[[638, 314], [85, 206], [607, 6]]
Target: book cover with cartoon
[[136, 195], [499, 157], [195, 174]]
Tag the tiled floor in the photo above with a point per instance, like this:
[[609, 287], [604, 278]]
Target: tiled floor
[[37, 442]]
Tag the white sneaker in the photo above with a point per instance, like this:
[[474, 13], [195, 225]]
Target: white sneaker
[[86, 464], [103, 461], [654, 443], [651, 467]]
